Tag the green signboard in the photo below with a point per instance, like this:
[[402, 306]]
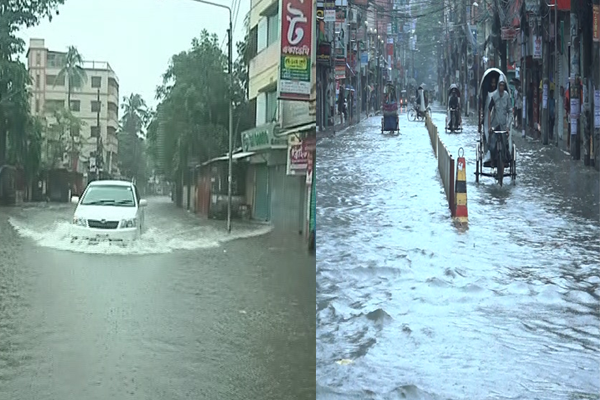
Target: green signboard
[[262, 138]]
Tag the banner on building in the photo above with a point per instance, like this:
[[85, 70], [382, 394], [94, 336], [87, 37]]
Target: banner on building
[[596, 23], [596, 108], [295, 64], [297, 157], [537, 47]]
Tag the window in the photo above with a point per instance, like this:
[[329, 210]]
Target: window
[[94, 131], [37, 81], [109, 195], [37, 106], [75, 105], [96, 81], [272, 29], [95, 106], [271, 108], [53, 80], [38, 58]]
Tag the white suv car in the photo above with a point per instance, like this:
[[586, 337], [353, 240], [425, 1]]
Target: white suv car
[[108, 210]]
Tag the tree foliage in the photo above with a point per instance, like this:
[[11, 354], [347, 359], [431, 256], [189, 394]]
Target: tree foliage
[[20, 133], [192, 117], [132, 149], [428, 32]]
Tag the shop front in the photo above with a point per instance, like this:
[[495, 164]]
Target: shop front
[[269, 153]]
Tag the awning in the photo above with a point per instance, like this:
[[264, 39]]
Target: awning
[[236, 156], [298, 129]]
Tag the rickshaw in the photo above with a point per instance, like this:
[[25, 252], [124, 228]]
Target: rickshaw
[[403, 100], [453, 117], [504, 153], [413, 113], [390, 121]]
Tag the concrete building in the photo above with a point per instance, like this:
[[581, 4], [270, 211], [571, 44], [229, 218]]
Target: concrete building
[[278, 188], [102, 84]]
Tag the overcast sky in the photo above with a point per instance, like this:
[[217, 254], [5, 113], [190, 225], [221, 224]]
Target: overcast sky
[[136, 37]]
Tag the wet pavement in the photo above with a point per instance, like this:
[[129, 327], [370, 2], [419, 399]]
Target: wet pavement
[[188, 312], [409, 306]]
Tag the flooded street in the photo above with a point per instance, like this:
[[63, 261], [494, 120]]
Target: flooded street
[[410, 307], [188, 312]]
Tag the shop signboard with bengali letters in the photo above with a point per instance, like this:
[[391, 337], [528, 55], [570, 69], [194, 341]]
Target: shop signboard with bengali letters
[[295, 65]]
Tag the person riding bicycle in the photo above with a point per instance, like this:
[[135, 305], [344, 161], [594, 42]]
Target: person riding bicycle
[[454, 104], [421, 105], [499, 116]]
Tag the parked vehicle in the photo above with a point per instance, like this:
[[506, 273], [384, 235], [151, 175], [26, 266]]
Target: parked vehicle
[[109, 210]]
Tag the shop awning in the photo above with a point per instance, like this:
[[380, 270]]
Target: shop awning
[[236, 156], [297, 129]]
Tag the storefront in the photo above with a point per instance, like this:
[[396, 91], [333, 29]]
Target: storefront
[[269, 157]]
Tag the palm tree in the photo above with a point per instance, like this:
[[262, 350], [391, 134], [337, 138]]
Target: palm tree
[[72, 72], [136, 114]]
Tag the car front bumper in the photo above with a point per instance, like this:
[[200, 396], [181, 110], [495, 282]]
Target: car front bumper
[[124, 234]]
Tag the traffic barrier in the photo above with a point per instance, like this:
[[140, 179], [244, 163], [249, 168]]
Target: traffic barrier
[[446, 168], [445, 163], [461, 213], [433, 134]]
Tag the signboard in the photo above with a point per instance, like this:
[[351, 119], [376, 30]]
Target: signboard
[[574, 126], [537, 47], [575, 108], [297, 157], [295, 113], [596, 108], [262, 138], [509, 33], [329, 15], [596, 23], [545, 96], [296, 49]]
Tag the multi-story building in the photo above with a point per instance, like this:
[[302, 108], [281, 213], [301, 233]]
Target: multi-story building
[[278, 189], [95, 103]]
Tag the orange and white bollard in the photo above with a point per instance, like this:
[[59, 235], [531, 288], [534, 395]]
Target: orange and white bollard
[[461, 213]]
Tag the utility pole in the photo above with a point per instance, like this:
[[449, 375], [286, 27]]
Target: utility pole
[[98, 139], [596, 68], [574, 82], [545, 82]]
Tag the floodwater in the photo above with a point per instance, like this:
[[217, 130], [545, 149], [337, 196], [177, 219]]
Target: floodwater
[[188, 312], [410, 306]]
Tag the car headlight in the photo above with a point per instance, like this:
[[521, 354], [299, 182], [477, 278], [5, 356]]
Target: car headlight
[[80, 221], [129, 223]]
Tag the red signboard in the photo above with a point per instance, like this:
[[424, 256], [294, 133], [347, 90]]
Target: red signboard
[[563, 5], [596, 23], [295, 66]]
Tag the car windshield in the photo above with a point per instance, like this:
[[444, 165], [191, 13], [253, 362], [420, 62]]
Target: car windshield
[[109, 195]]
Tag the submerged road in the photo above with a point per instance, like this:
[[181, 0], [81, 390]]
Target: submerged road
[[410, 307], [187, 313]]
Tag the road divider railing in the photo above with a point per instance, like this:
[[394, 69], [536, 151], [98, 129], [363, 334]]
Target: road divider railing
[[461, 213], [446, 164], [433, 134]]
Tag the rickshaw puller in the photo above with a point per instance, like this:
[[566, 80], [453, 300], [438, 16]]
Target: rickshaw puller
[[500, 110], [454, 103]]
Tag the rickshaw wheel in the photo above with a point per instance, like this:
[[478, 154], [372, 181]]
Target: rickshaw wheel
[[500, 168], [477, 170]]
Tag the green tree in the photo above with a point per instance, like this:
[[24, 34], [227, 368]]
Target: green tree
[[134, 122], [72, 72], [192, 117], [13, 111], [60, 136]]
